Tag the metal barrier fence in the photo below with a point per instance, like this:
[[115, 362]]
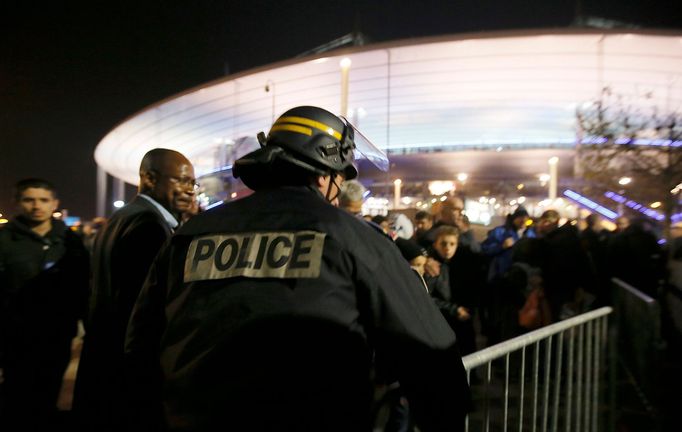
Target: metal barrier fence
[[640, 344], [565, 386]]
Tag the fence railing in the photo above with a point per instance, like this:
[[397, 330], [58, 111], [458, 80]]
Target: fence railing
[[639, 342], [564, 387]]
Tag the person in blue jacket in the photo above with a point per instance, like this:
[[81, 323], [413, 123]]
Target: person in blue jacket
[[498, 248]]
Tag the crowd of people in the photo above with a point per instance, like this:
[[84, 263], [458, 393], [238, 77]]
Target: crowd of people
[[281, 310]]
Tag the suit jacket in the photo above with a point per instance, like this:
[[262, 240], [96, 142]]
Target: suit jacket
[[122, 256]]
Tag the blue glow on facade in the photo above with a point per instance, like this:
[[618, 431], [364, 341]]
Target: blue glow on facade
[[653, 214], [587, 203]]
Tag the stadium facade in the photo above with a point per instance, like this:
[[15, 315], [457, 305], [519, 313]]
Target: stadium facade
[[495, 106]]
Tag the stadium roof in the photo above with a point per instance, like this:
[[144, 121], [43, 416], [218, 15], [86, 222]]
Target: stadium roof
[[486, 91]]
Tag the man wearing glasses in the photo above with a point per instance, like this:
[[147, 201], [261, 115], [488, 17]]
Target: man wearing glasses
[[269, 312], [122, 255]]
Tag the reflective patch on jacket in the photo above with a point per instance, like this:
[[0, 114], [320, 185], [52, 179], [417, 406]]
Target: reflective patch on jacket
[[258, 255]]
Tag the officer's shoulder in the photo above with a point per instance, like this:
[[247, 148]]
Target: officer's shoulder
[[377, 228], [208, 220]]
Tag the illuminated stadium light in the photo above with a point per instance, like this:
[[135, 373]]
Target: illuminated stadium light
[[587, 203], [440, 187]]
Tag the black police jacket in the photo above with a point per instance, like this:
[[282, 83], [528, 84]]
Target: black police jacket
[[265, 313]]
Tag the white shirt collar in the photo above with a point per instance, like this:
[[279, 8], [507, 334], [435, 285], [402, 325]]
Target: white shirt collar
[[168, 217]]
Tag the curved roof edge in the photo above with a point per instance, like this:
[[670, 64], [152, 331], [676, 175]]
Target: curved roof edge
[[405, 42]]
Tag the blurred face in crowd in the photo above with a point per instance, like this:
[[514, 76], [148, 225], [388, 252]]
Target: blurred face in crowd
[[418, 264], [622, 223], [446, 246], [424, 225], [547, 225], [451, 211], [37, 205], [520, 222]]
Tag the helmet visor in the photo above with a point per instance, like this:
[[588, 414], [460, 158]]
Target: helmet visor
[[367, 150]]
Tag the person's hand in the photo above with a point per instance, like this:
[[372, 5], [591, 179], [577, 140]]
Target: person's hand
[[432, 267], [463, 313], [507, 243]]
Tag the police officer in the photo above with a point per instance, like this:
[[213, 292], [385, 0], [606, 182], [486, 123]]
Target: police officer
[[277, 311]]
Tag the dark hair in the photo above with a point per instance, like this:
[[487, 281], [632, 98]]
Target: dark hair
[[409, 249], [446, 230], [36, 183], [378, 219], [551, 215], [423, 215]]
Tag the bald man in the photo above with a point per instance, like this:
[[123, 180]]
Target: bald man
[[122, 255]]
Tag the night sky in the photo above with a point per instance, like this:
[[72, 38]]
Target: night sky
[[70, 71]]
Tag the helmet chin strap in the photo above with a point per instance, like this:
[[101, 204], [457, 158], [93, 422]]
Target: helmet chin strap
[[332, 181]]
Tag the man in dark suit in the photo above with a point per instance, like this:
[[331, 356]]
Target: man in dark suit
[[122, 256]]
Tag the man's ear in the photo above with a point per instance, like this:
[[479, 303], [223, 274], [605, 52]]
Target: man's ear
[[55, 205], [322, 181], [147, 180]]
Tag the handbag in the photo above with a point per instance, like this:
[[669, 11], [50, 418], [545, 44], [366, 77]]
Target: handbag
[[535, 312]]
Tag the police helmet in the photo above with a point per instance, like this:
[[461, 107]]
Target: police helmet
[[308, 137]]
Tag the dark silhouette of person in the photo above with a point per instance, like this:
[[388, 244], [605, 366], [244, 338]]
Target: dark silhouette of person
[[44, 275]]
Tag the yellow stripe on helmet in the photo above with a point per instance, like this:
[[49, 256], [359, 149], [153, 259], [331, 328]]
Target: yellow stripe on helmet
[[312, 123], [292, 128]]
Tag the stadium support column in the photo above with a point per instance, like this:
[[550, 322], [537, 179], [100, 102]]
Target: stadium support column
[[345, 69], [101, 192], [553, 180], [118, 189]]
